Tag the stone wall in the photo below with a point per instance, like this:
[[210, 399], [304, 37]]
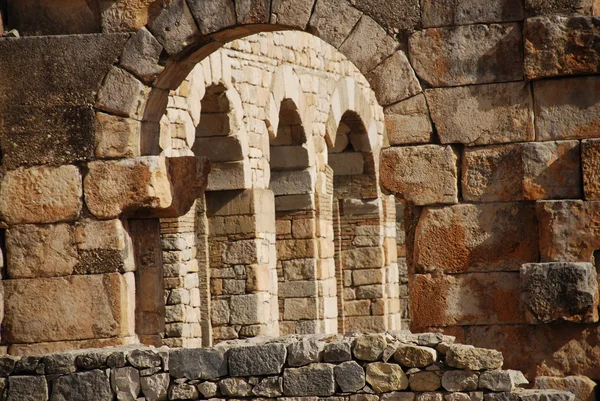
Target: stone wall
[[378, 367]]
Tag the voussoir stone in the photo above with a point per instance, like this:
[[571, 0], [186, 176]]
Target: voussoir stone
[[414, 356], [41, 195], [558, 45], [483, 114], [141, 55], [440, 58], [467, 357], [83, 386], [257, 360], [350, 376], [451, 12], [369, 347], [384, 377], [333, 21], [316, 379], [394, 79], [560, 291], [422, 175], [198, 363], [174, 26], [501, 380], [460, 380]]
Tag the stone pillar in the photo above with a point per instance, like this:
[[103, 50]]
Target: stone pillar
[[243, 279], [392, 279]]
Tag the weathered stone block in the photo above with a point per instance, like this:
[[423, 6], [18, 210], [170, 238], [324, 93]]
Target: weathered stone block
[[557, 45], [121, 94], [316, 379], [141, 55], [338, 351], [83, 386], [369, 347], [333, 21], [350, 163], [174, 26], [155, 387], [496, 55], [183, 391], [567, 108], [27, 388], [469, 357], [529, 171], [248, 309], [363, 258], [581, 386], [414, 356], [560, 291], [290, 158], [543, 7], [408, 122], [41, 195], [235, 387], [221, 149], [590, 161], [292, 182], [212, 16], [460, 380], [303, 352], [422, 175], [257, 360], [269, 387], [483, 237], [291, 13], [116, 137], [385, 377], [125, 382], [465, 299], [73, 308], [402, 15], [424, 381], [350, 376], [463, 12], [501, 380], [394, 79], [40, 251], [207, 364]]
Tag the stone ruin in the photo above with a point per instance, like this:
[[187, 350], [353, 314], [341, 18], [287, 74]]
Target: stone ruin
[[192, 173]]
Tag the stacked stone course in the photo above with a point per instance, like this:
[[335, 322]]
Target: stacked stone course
[[357, 367]]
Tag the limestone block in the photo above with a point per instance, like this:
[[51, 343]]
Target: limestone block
[[440, 59], [197, 363], [347, 163], [368, 44], [369, 347], [121, 94], [468, 357], [560, 291], [463, 12], [422, 175], [141, 55], [299, 308], [269, 387], [370, 291], [82, 386], [529, 171], [252, 11], [40, 251], [398, 396], [27, 388], [229, 176], [460, 380], [338, 351], [316, 379], [408, 122], [288, 203], [394, 79], [293, 13], [476, 237], [304, 352], [567, 108], [502, 380], [235, 387], [332, 21], [290, 158], [41, 195], [567, 231], [72, 308], [208, 389], [257, 360], [116, 137], [221, 149], [363, 258], [395, 15], [235, 203], [424, 381], [212, 16], [581, 386], [183, 391], [174, 26], [530, 395], [292, 182], [297, 289], [125, 382], [465, 299], [414, 356], [155, 387], [357, 308], [248, 309], [590, 160], [103, 247], [350, 376], [384, 377], [558, 45], [542, 7]]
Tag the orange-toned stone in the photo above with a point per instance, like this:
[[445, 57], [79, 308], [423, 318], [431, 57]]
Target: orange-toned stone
[[590, 161]]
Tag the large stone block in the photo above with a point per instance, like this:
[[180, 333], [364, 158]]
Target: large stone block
[[141, 55], [402, 15], [470, 358], [293, 13], [440, 58], [121, 93], [394, 80], [82, 386], [385, 377], [557, 45], [257, 360], [292, 182], [27, 388], [422, 175], [528, 171], [174, 26], [408, 122], [544, 7], [581, 386], [316, 379], [476, 237], [212, 16], [41, 195], [333, 21], [117, 137], [568, 232], [483, 114], [57, 97], [560, 291], [465, 299], [206, 364], [463, 12], [567, 108], [73, 308]]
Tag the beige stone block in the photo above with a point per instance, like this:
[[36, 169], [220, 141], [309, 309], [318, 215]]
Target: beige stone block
[[299, 308], [43, 348], [408, 122], [229, 176], [590, 160], [463, 12], [357, 308], [367, 324], [233, 203], [117, 137], [370, 291], [582, 386], [242, 252], [303, 228], [292, 182], [567, 108], [297, 289], [363, 258], [347, 163], [439, 59], [221, 149], [290, 158], [40, 251], [41, 195], [299, 269], [296, 249], [288, 203], [258, 278], [71, 308], [219, 312], [422, 175], [370, 276], [249, 309], [394, 80], [460, 118]]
